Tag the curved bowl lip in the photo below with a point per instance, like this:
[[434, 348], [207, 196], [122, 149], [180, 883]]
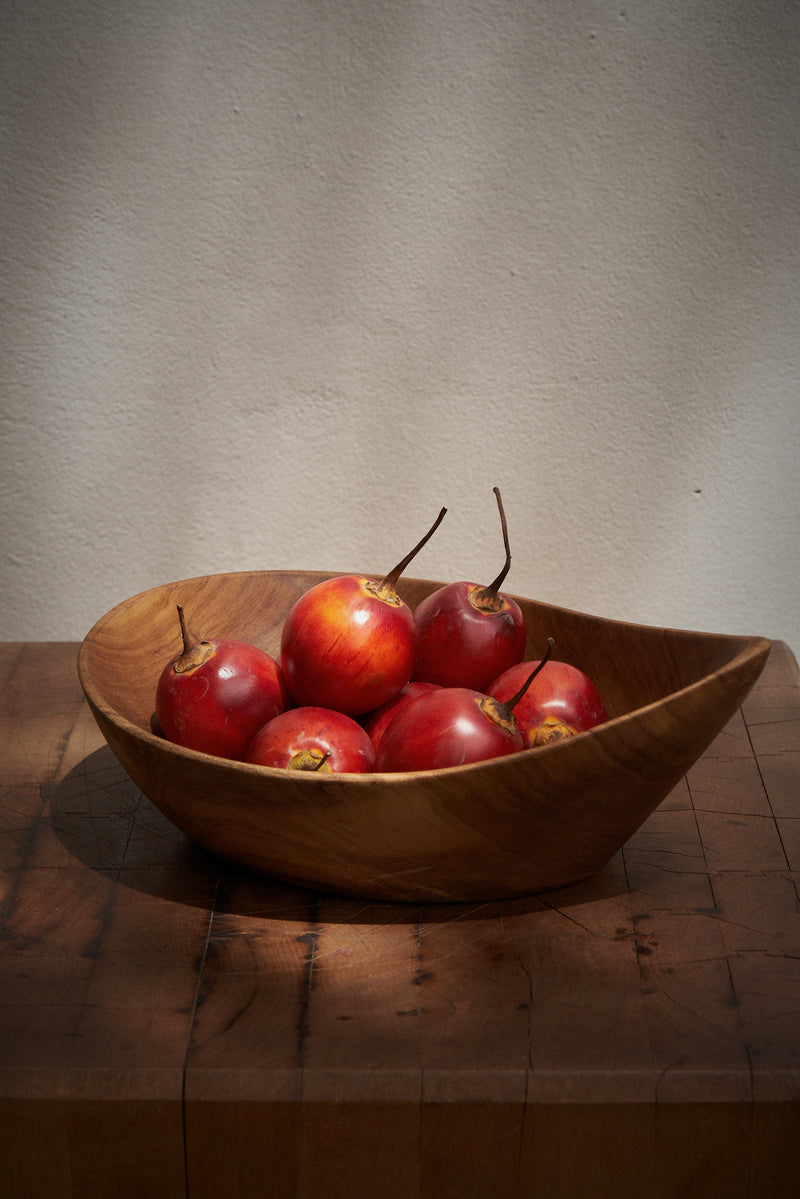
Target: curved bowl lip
[[751, 647]]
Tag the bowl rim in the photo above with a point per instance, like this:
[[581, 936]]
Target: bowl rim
[[751, 648]]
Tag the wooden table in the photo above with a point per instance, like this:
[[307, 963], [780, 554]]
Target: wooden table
[[170, 1026]]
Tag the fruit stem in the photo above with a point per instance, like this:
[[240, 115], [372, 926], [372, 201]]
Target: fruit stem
[[309, 760], [195, 653], [387, 588], [486, 598], [503, 713], [187, 642], [510, 704]]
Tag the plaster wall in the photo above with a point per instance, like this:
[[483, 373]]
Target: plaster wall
[[282, 277]]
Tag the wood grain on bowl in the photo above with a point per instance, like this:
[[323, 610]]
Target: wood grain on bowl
[[529, 822]]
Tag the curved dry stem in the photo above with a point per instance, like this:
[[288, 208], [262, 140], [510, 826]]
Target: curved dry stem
[[387, 587], [487, 598], [511, 703]]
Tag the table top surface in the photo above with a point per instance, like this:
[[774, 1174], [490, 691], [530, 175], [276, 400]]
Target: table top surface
[[135, 964]]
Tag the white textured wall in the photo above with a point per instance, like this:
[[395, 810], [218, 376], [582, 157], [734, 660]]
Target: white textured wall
[[282, 277]]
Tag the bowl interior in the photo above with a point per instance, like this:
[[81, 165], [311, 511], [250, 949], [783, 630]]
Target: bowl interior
[[631, 665]]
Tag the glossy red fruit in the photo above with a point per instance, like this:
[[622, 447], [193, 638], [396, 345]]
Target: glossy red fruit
[[451, 726], [350, 642], [312, 738], [216, 694], [560, 691], [469, 634], [376, 722], [448, 727]]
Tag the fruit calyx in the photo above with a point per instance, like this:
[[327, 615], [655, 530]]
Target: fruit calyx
[[488, 599], [310, 759], [386, 588], [552, 729], [503, 713], [195, 653]]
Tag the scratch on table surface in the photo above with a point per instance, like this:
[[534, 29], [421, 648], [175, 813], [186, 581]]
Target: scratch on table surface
[[529, 1010], [461, 914], [560, 912]]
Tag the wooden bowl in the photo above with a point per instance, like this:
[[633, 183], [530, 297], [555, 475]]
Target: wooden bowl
[[513, 826]]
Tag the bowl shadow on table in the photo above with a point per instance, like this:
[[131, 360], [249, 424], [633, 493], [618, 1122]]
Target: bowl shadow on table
[[103, 820]]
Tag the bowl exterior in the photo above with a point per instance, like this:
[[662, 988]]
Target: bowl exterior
[[533, 821]]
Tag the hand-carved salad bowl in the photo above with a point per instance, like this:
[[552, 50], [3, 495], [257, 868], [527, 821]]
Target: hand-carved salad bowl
[[532, 821]]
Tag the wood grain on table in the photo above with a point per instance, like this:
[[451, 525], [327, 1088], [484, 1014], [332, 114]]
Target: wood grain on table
[[172, 1026]]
